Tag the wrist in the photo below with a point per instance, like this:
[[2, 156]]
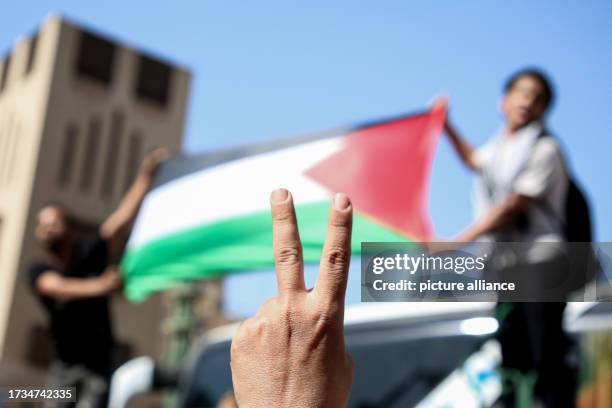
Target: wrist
[[145, 175], [143, 181], [102, 286]]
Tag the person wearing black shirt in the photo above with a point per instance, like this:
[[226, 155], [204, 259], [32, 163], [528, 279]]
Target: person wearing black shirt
[[74, 283]]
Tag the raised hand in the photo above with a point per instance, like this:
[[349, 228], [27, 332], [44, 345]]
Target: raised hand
[[151, 162], [291, 353]]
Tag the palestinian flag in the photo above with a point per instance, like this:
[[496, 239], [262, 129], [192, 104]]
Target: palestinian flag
[[209, 215]]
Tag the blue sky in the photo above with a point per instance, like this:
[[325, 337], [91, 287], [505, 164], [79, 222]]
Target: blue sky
[[270, 69]]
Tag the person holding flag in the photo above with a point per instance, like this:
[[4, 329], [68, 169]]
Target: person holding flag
[[521, 197]]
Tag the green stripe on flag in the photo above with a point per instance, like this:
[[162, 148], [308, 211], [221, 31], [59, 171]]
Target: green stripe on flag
[[230, 246]]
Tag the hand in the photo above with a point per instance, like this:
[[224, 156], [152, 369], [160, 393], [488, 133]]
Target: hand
[[151, 162], [291, 353], [110, 280], [440, 102]]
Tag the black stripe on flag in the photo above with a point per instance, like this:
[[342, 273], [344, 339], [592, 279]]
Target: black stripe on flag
[[181, 165]]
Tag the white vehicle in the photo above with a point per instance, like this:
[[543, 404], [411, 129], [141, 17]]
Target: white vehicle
[[406, 355]]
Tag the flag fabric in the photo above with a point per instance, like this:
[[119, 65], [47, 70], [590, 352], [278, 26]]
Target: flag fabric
[[209, 215]]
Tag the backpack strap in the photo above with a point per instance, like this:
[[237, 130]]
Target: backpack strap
[[544, 205], [487, 176], [489, 184]]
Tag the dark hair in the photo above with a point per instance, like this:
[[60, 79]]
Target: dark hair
[[538, 75]]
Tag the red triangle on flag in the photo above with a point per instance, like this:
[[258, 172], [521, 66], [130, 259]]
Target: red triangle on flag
[[385, 170]]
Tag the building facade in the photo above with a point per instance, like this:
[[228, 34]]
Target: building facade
[[78, 112]]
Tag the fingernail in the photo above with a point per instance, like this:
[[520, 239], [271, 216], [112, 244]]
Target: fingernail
[[279, 195], [341, 201]]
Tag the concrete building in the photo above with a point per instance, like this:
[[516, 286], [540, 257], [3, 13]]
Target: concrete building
[[78, 111]]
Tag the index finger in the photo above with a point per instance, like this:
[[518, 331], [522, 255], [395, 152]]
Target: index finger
[[333, 274], [287, 246]]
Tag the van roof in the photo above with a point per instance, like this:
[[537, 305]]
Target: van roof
[[378, 312], [381, 312]]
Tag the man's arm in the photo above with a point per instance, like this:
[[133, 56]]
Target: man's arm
[[118, 224], [499, 216], [462, 147], [464, 150], [53, 285], [545, 168]]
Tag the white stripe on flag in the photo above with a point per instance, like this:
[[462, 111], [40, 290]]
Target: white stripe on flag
[[230, 190]]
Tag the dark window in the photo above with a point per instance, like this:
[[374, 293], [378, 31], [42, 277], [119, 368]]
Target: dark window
[[153, 83], [112, 152], [31, 54], [68, 155], [91, 153], [133, 158], [5, 71], [95, 58]]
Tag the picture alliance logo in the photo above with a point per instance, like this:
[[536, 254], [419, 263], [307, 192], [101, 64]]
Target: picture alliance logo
[[458, 264]]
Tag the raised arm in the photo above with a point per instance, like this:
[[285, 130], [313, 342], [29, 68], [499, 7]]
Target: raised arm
[[499, 216], [462, 147], [52, 284], [119, 223], [544, 168], [464, 150]]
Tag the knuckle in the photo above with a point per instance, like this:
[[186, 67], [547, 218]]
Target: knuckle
[[260, 327], [289, 310], [283, 215], [289, 255], [286, 318], [267, 307], [285, 303], [337, 256], [323, 325], [327, 309], [244, 332], [340, 221], [324, 319], [256, 328], [235, 347], [238, 343]]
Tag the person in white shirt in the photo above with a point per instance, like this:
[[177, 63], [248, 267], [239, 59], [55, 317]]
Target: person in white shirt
[[520, 197]]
